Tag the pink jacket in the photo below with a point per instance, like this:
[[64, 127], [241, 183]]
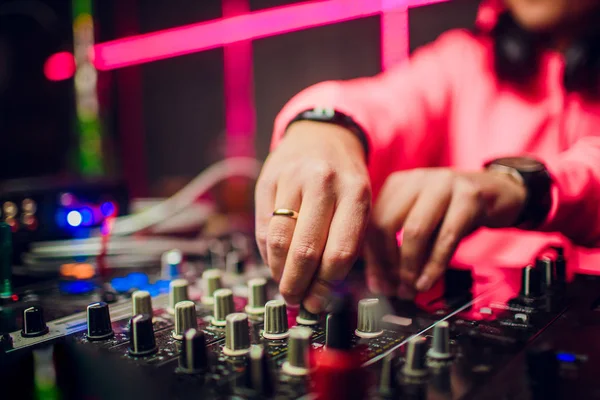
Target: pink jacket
[[445, 107]]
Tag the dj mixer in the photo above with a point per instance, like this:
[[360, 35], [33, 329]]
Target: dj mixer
[[216, 327]]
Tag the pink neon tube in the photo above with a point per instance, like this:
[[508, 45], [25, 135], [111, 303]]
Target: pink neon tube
[[212, 34]]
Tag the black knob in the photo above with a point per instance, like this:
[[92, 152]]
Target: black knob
[[142, 341], [531, 283], [33, 322], [306, 318], [193, 358], [543, 372], [415, 365], [258, 373], [98, 322], [388, 382], [339, 326]]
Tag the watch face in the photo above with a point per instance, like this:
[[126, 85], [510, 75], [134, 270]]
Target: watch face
[[525, 164]]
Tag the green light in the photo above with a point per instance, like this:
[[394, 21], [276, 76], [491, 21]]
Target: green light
[[5, 260]]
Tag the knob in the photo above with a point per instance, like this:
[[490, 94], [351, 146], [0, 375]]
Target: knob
[[194, 357], [211, 280], [531, 284], [440, 350], [234, 264], [170, 264], [237, 335], [369, 318], [258, 372], [98, 322], [142, 341], [415, 365], [276, 323], [297, 362], [33, 322], [306, 318], [141, 302], [338, 327], [223, 306], [178, 291], [546, 266], [388, 382], [543, 372], [185, 318], [257, 296]]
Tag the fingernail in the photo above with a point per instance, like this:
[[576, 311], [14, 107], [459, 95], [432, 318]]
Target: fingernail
[[424, 283], [315, 303], [406, 292], [374, 285]]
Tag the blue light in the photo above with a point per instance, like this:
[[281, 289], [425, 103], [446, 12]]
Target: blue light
[[74, 218], [566, 357], [87, 218], [137, 280], [107, 209], [76, 287], [121, 285], [60, 217]]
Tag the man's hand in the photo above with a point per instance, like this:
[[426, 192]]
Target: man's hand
[[318, 170], [435, 209]]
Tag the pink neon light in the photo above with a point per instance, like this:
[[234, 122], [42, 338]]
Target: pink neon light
[[240, 115], [208, 35], [59, 66], [395, 41]]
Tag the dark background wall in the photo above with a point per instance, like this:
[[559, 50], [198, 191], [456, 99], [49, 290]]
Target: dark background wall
[[165, 120]]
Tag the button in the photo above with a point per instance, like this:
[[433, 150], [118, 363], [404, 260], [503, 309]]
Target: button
[[142, 341], [306, 318], [258, 374], [211, 281], [521, 318], [415, 365], [141, 302], [440, 350], [193, 358], [171, 264], [178, 291]]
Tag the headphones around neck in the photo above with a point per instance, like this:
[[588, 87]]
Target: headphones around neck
[[517, 53]]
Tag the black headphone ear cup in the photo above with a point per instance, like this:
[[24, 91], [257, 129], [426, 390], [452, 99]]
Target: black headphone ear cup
[[582, 65], [516, 51]]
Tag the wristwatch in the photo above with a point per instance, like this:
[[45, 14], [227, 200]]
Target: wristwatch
[[538, 184], [332, 116]]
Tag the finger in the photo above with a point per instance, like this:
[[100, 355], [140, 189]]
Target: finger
[[264, 199], [346, 232], [395, 201], [461, 217], [281, 228], [308, 242], [421, 222]]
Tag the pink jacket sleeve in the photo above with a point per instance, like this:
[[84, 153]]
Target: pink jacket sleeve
[[576, 192], [404, 111]]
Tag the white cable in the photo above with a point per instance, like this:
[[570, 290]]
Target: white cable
[[241, 166], [186, 197]]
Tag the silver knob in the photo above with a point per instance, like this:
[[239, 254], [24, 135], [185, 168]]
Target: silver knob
[[276, 324], [170, 264], [440, 349], [415, 365], [193, 357], [185, 318], [257, 296], [369, 318], [178, 291], [237, 335], [223, 306], [297, 362], [211, 281], [306, 318], [141, 302]]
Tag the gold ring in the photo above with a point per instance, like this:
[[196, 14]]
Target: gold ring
[[286, 212]]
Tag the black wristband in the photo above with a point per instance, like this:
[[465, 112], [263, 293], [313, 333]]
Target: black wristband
[[332, 116]]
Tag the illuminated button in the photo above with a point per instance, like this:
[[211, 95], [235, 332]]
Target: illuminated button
[[10, 209], [29, 206], [74, 218]]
